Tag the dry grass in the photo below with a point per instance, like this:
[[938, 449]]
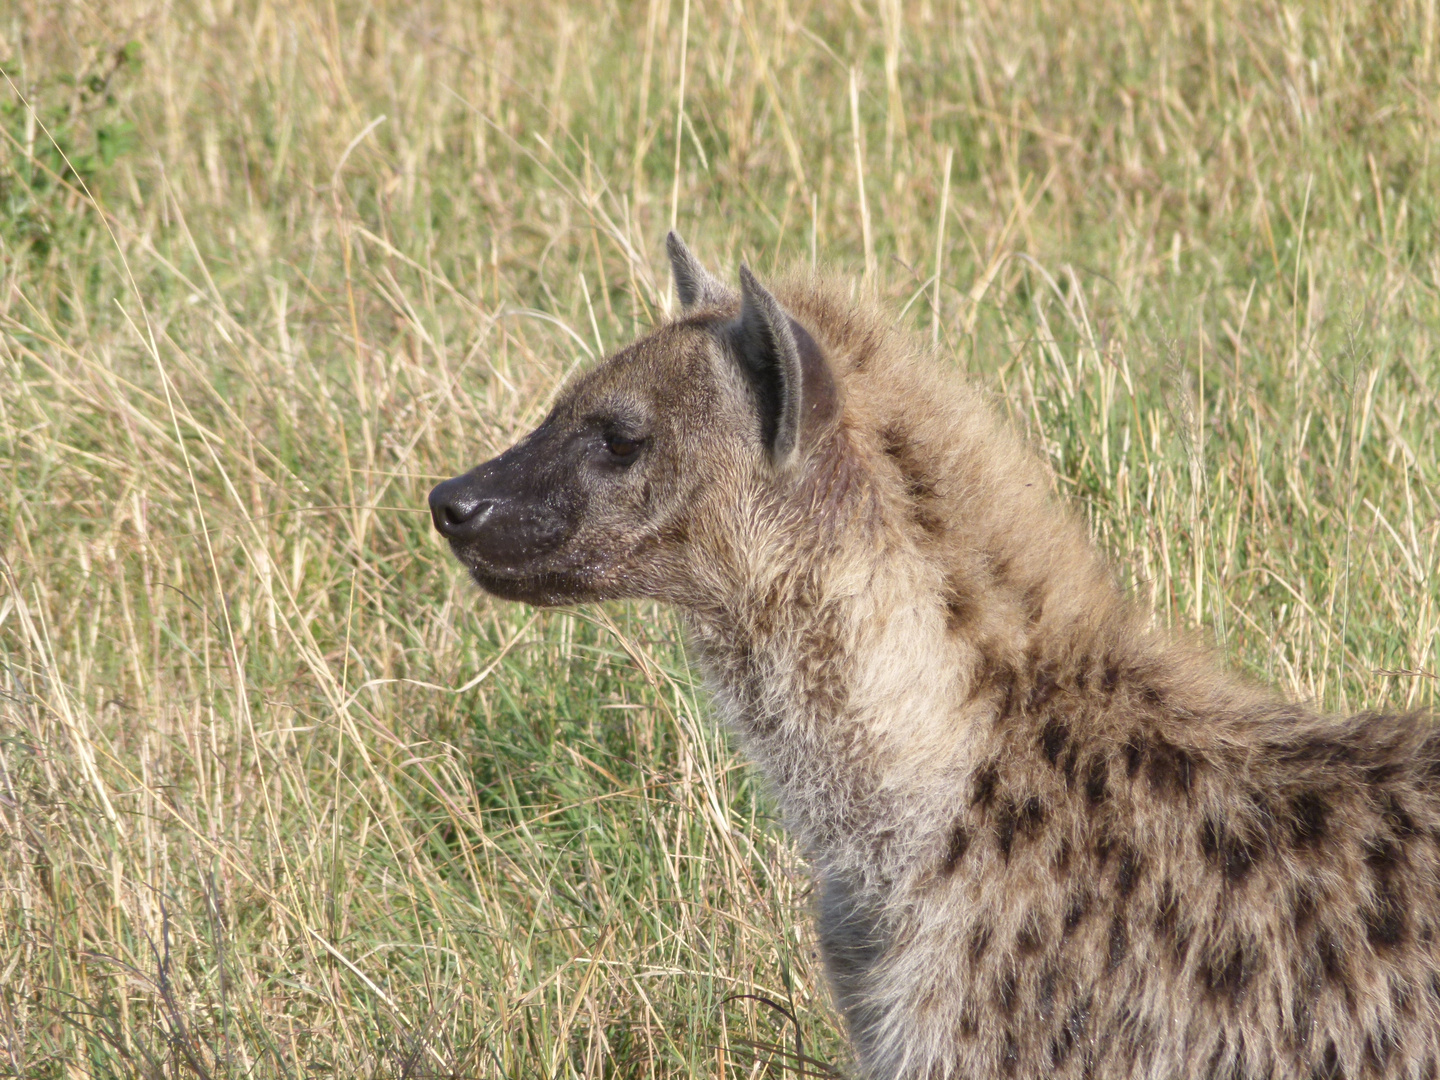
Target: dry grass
[[281, 796]]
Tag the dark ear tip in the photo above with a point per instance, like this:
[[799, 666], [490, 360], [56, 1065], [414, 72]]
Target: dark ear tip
[[673, 243]]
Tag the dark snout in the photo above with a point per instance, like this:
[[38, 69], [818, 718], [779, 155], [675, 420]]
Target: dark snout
[[502, 516], [459, 509]]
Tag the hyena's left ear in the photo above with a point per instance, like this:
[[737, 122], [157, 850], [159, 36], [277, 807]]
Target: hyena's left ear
[[694, 285], [794, 388]]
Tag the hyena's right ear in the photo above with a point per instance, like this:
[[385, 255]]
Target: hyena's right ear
[[694, 285]]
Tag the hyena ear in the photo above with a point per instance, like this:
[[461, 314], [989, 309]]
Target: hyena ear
[[763, 341], [694, 285]]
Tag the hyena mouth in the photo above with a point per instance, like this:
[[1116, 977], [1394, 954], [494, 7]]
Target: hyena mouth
[[544, 588]]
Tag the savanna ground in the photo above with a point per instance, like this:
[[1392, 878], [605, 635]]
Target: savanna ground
[[282, 796]]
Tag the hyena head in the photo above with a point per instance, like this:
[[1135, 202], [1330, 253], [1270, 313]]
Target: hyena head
[[643, 478]]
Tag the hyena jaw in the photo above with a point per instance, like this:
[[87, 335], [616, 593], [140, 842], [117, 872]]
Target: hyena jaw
[[1049, 840]]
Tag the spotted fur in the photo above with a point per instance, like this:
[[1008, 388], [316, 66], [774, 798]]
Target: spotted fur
[[1048, 839]]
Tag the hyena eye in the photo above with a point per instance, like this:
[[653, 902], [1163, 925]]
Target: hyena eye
[[623, 450]]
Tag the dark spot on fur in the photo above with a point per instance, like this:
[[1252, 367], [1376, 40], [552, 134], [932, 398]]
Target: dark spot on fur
[[1234, 855], [1167, 912], [1377, 775], [1379, 1046], [979, 942], [1217, 1059], [960, 607], [1210, 838], [1053, 739], [1225, 973], [1009, 1055], [1005, 828], [1067, 766], [1134, 752], [1045, 1001], [955, 850], [985, 781], [825, 694], [1171, 769], [1007, 699], [1332, 959], [1401, 997], [1402, 825], [1028, 940], [1119, 943], [1042, 690], [1240, 857], [1329, 1067], [1302, 907], [1385, 918], [994, 676], [894, 441], [1074, 913], [1309, 816], [1152, 695], [1382, 855], [1075, 1024], [998, 564], [1103, 847], [1031, 816], [1129, 873], [1033, 603], [1062, 856], [1005, 992], [1096, 778], [969, 1022], [1110, 677], [1301, 1018], [919, 487], [1180, 946]]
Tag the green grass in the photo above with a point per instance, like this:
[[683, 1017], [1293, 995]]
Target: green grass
[[282, 796]]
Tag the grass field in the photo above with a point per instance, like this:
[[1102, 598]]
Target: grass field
[[282, 796]]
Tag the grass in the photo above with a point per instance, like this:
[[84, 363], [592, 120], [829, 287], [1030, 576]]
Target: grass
[[281, 796]]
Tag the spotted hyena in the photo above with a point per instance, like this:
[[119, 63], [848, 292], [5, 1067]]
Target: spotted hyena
[[1049, 839]]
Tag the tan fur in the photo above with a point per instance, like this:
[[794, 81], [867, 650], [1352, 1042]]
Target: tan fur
[[1048, 840]]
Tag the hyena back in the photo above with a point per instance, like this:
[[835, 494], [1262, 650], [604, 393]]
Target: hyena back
[[1048, 839]]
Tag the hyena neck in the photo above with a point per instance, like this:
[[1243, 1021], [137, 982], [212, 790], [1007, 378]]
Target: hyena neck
[[886, 667], [792, 677], [852, 674]]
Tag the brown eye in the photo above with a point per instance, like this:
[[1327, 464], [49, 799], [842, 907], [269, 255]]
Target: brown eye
[[622, 448]]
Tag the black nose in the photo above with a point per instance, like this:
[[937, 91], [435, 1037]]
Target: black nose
[[457, 511]]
